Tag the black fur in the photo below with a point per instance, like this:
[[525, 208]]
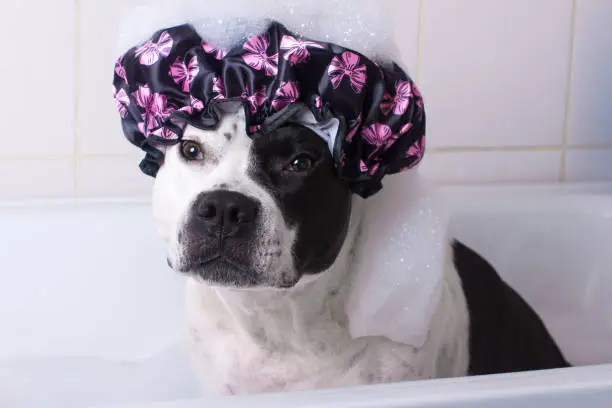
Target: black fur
[[223, 224], [506, 334], [317, 201]]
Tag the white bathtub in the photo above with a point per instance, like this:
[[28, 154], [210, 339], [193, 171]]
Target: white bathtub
[[90, 316]]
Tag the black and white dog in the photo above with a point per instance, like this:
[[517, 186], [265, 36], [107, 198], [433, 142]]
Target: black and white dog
[[264, 229]]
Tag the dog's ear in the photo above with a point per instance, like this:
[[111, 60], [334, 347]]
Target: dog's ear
[[400, 256]]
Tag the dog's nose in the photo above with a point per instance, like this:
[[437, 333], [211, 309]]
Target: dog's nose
[[226, 211]]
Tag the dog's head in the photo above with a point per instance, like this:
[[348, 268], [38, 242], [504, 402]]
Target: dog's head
[[245, 212]]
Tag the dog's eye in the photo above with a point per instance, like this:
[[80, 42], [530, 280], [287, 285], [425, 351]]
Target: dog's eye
[[302, 162], [190, 150]]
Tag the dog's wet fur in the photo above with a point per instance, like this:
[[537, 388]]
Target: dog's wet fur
[[263, 229]]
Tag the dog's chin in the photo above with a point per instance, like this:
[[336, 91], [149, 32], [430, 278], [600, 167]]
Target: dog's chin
[[222, 271]]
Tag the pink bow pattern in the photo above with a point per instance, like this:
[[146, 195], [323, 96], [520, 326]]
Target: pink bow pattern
[[398, 103], [297, 50], [377, 134], [256, 99], [150, 52], [156, 109], [120, 69], [218, 88], [123, 101], [417, 149], [285, 95], [195, 105], [257, 57], [183, 74], [347, 65]]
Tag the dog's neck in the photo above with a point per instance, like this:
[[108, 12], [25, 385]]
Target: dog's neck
[[316, 303]]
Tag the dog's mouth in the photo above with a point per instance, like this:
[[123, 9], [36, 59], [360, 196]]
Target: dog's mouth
[[221, 269]]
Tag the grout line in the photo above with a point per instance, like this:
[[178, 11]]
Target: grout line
[[458, 149], [568, 96], [10, 159], [131, 155], [419, 43], [589, 147], [509, 183], [468, 149], [69, 157], [77, 138]]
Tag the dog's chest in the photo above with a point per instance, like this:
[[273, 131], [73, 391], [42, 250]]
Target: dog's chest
[[242, 349], [240, 363]]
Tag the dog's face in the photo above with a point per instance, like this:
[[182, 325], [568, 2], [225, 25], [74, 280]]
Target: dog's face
[[245, 212]]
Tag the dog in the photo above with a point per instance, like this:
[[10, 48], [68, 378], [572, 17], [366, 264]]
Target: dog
[[264, 230]]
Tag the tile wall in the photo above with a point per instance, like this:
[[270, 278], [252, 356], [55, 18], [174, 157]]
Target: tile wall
[[516, 91]]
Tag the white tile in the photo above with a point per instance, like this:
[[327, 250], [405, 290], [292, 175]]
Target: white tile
[[98, 123], [590, 120], [36, 178], [108, 176], [38, 71], [405, 14], [492, 166], [495, 73], [589, 165]]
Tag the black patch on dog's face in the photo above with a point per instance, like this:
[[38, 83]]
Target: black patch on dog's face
[[263, 219], [315, 201]]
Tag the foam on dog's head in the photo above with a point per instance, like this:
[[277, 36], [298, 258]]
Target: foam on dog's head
[[352, 24]]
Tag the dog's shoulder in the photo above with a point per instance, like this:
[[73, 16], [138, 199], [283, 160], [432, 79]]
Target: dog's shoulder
[[506, 334]]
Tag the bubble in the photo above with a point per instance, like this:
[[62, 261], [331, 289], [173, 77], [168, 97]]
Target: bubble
[[361, 25]]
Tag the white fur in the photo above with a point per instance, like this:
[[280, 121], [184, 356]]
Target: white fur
[[261, 340], [225, 162]]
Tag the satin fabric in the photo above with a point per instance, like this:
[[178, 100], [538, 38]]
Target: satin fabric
[[176, 77]]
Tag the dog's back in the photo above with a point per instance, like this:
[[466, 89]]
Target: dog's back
[[506, 334]]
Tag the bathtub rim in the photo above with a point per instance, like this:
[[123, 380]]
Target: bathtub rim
[[462, 190], [573, 382], [574, 385]]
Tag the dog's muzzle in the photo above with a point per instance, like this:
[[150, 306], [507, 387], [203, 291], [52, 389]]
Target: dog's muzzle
[[224, 213], [217, 238]]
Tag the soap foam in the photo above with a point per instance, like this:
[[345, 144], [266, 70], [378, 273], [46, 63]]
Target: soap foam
[[362, 25]]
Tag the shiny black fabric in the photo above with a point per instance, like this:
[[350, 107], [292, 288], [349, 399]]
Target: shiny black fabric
[[177, 78]]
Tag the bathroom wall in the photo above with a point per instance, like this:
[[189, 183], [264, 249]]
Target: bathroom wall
[[516, 91]]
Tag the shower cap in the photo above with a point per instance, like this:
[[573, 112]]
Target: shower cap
[[176, 77]]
